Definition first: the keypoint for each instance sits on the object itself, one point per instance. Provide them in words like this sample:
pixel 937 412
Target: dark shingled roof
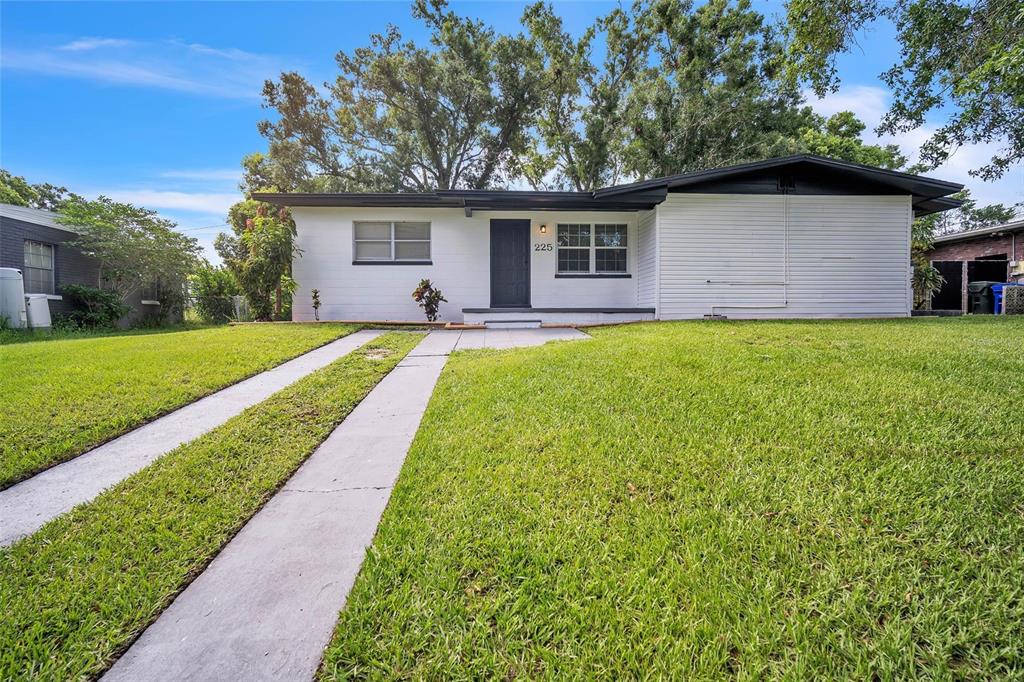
pixel 929 195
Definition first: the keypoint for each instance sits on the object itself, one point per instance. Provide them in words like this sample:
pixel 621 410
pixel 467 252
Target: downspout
pixel 785 267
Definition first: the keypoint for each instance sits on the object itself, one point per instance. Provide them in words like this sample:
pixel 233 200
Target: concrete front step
pixel 556 316
pixel 512 324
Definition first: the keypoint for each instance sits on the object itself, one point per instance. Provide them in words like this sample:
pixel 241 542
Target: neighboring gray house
pixel 802 236
pixel 31 240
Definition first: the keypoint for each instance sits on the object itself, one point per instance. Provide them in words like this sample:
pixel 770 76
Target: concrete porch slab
pixel 515 338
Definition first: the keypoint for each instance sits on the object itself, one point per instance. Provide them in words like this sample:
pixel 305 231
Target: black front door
pixel 510 263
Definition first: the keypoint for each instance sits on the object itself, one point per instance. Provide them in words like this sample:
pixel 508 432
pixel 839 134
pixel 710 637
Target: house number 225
pixel 542 247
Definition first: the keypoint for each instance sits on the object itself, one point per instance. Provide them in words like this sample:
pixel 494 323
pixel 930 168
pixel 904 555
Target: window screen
pixel 592 249
pixel 38 270
pixel 391 241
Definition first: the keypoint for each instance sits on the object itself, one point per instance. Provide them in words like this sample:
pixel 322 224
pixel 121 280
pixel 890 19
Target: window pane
pixel 380 231
pixel 412 250
pixel 574 235
pixel 574 260
pixel 610 260
pixel 38 281
pixel 38 255
pixel 609 235
pixel 412 230
pixel 373 250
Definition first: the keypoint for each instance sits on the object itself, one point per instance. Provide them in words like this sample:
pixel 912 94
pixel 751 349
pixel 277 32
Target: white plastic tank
pixel 38 308
pixel 12 298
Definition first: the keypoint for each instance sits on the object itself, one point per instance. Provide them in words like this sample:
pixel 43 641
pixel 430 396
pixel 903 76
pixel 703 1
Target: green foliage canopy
pixel 133 246
pixel 212 288
pixel 962 59
pixel 713 94
pixel 838 137
pixel 259 254
pixel 402 117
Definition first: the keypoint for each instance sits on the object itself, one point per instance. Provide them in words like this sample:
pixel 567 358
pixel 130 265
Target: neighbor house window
pixel 380 241
pixel 38 268
pixel 591 249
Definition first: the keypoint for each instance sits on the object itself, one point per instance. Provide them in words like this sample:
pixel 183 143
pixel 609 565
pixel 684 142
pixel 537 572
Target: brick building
pixel 991 253
pixel 36 243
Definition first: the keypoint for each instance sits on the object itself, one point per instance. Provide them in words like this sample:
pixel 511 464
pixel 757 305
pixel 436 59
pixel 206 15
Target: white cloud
pixel 205 174
pixel 216 203
pixel 94 44
pixel 166 65
pixel 870 103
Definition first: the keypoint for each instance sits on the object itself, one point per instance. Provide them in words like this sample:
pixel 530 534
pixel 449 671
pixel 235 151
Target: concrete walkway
pixel 266 607
pixel 515 338
pixel 25 507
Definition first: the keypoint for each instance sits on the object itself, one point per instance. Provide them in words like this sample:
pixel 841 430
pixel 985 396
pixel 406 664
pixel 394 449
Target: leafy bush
pixel 259 254
pixel 212 291
pixel 429 298
pixel 92 308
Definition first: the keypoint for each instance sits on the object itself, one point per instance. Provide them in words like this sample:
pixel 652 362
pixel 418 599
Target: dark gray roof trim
pixel 1008 228
pixel 936 205
pixel 478 200
pixel 926 192
pixel 913 184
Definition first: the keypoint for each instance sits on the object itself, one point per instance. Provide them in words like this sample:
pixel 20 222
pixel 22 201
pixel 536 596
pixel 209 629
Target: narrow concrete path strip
pixel 266 607
pixel 516 338
pixel 26 506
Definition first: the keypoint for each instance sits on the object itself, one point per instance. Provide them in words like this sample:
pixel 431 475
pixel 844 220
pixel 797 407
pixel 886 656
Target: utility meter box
pixel 12 298
pixel 38 308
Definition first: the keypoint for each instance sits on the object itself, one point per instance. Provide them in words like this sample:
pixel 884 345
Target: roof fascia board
pixel 1017 226
pixel 942 187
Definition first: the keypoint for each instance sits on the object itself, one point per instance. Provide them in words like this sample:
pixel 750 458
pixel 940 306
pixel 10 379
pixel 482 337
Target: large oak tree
pixel 405 117
pixel 713 92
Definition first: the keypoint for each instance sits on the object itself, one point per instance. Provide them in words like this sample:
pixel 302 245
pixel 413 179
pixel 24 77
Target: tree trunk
pixel 277 302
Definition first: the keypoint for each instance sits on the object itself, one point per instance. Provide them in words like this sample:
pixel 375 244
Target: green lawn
pixel 804 500
pixel 80 590
pixel 60 398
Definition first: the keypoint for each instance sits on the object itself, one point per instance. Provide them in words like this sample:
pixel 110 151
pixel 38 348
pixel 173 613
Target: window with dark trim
pixel 38 268
pixel 591 249
pixel 390 241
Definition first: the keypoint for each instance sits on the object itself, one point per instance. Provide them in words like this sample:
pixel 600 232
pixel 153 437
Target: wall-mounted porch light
pixel 543 229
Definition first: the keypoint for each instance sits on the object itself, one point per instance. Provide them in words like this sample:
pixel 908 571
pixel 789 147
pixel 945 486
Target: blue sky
pixel 156 103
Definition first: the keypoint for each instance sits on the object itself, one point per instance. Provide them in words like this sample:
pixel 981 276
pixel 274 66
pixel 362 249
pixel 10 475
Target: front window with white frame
pixel 391 241
pixel 598 249
pixel 38 268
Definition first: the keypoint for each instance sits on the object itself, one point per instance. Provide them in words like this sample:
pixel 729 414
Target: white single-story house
pixel 797 237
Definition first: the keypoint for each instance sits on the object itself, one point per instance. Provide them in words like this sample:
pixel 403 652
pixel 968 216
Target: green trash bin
pixel 980 299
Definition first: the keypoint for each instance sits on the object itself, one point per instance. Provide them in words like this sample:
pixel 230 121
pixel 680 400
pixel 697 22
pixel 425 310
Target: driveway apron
pixel 26 506
pixel 265 608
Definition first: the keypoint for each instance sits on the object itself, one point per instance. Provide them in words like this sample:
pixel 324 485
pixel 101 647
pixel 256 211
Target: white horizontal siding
pixel 646 268
pixel 726 254
pixel 460 252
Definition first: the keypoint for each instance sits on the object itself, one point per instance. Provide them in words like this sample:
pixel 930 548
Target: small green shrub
pixel 91 308
pixel 429 298
pixel 212 291
pixel 316 304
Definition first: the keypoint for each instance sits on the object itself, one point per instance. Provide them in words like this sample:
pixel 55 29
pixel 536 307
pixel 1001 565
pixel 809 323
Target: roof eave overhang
pixel 474 200
pixel 926 206
pixel 982 233
pixel 913 184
